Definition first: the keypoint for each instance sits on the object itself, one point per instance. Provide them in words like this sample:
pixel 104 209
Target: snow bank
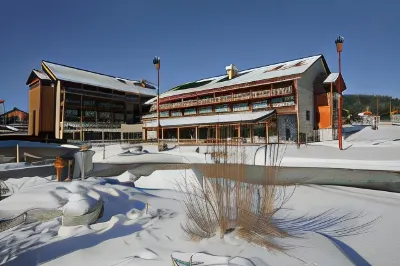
pixel 80 204
pixel 126 177
pixel 141 229
pixel 169 179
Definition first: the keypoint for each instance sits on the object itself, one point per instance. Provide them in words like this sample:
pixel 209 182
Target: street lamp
pixel 156 62
pixel 339 46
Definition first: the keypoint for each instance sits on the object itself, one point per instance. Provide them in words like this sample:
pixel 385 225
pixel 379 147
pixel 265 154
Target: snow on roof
pixel 152 100
pixel 289 68
pixel 211 119
pixel 331 78
pixel 71 74
pixel 37 74
pixel 41 74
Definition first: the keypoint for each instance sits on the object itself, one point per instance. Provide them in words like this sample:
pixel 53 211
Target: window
pixel 308 115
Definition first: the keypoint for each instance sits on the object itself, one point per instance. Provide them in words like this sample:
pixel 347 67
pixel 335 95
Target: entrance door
pixel 287 133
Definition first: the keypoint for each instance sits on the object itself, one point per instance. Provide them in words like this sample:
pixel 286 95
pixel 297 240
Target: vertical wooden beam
pixel 277 126
pixel 272 87
pixel 331 105
pixel 140 108
pixel 81 138
pixel 266 133
pixel 297 112
pixel 179 134
pixel 197 134
pixel 162 133
pixel 63 115
pixel 238 130
pixel 216 132
pixel 252 133
pixel 58 109
pixel 125 105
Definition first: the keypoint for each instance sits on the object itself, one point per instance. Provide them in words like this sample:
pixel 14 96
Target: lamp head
pixel 156 62
pixel 339 44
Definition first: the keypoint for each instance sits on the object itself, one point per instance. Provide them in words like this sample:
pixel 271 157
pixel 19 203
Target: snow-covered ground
pixel 368 150
pixel 142 225
pixel 128 235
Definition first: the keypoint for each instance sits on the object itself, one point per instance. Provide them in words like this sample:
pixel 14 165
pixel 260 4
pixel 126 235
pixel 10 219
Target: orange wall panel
pixel 34 105
pixel 47 106
pixel 324 116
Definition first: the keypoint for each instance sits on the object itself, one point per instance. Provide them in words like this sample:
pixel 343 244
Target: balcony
pixel 225 99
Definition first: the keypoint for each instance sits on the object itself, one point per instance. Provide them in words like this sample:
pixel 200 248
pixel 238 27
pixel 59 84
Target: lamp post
pixel 156 62
pixel 339 46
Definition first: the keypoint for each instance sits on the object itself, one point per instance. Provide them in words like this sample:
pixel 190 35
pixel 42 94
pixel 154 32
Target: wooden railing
pixel 220 99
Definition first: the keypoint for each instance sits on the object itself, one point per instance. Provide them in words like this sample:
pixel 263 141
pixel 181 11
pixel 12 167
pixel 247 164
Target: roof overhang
pixel 249 117
pixel 335 78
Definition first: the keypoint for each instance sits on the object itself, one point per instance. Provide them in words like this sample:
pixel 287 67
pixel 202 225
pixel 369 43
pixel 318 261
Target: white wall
pixel 306 95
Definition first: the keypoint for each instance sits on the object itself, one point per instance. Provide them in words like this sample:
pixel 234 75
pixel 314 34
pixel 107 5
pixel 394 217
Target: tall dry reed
pixel 227 202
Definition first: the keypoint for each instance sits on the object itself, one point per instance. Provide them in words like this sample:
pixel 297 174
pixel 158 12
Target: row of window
pixel 223 108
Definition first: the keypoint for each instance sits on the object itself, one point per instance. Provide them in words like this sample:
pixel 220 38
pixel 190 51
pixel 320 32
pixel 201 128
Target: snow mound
pixel 127 177
pixel 169 179
pixel 80 204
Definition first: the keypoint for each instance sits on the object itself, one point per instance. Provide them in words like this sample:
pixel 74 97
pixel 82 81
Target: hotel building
pixel 71 103
pixel 293 101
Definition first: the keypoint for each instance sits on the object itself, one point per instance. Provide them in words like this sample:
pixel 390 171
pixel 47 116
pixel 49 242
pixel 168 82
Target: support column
pixel 58 109
pixel 178 134
pixel 63 116
pixel 297 112
pixel 196 134
pixel 216 133
pixel 162 133
pixel 81 137
pixel 331 106
pixel 238 131
pixel 252 133
pixel 277 127
pixel 102 136
pixel 266 133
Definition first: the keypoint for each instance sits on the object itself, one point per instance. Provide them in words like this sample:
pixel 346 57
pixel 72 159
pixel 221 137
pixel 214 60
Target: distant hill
pixel 357 103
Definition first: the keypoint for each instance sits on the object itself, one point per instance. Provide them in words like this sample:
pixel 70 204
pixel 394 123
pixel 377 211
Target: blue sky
pixel 197 39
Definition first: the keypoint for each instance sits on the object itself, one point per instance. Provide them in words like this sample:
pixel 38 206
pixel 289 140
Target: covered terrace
pixel 245 127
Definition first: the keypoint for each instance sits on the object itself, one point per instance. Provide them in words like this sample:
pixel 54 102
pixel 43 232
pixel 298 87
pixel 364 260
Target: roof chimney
pixel 231 71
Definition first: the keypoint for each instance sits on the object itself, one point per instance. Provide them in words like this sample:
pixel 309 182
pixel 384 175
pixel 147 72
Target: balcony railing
pixel 224 99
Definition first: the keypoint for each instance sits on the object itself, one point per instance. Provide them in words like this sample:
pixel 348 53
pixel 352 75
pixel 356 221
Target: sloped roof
pixel 212 119
pixel 333 78
pixel 67 73
pixel 37 74
pixel 278 70
pixel 15 109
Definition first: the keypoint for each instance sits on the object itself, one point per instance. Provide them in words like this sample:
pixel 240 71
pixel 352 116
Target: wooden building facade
pixel 72 103
pixel 275 103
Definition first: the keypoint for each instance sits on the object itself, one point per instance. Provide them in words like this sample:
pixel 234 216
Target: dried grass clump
pixel 226 203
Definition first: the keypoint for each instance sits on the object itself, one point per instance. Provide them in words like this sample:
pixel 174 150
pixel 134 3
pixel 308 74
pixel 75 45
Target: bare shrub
pixel 226 202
